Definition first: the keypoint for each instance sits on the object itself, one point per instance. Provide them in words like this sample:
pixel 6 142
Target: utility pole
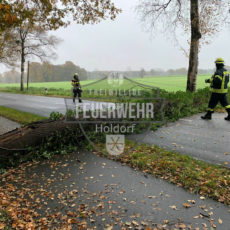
pixel 28 75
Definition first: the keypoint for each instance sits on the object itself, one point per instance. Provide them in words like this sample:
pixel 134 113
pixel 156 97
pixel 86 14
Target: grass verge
pixel 5 220
pixel 18 116
pixel 177 104
pixel 193 175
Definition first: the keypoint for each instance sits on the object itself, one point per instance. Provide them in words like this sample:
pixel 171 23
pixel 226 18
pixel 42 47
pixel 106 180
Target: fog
pixel 124 45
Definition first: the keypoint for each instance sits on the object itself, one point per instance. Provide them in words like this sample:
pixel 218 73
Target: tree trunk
pixel 194 46
pixel 22 66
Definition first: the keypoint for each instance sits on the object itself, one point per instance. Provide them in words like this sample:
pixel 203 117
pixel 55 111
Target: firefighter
pixel 76 88
pixel 219 88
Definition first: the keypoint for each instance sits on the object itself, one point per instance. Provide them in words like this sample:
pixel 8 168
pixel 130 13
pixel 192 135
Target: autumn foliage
pixel 7 16
pixel 55 14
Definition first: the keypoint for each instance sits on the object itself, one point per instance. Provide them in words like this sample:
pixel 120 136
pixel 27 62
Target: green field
pixel 169 83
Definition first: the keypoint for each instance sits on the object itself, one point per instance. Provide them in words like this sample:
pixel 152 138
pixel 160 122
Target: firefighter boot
pixel 207 116
pixel 228 117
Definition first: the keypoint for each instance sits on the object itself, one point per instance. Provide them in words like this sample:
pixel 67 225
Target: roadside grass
pixel 178 104
pixel 193 175
pixel 18 116
pixel 5 220
pixel 54 92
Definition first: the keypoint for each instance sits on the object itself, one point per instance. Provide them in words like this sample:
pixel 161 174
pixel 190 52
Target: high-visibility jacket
pixel 76 83
pixel 219 81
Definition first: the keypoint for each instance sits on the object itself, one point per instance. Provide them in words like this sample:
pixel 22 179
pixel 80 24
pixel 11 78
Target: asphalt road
pixel 205 140
pixel 41 105
pixel 105 193
pixel 7 125
pixel 108 193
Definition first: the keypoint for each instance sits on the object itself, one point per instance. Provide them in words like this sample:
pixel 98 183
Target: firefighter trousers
pixel 216 98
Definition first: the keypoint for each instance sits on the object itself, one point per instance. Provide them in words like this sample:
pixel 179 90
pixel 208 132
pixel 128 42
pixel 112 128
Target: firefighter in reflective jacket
pixel 219 87
pixel 76 88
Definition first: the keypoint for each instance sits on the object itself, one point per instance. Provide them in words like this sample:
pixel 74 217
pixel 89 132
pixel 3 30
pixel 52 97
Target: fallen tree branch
pixel 32 135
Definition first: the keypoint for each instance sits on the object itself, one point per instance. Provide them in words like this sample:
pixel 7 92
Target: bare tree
pixel 30 20
pixel 199 18
pixel 28 41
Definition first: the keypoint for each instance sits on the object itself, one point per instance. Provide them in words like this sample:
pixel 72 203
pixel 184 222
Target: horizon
pixel 123 44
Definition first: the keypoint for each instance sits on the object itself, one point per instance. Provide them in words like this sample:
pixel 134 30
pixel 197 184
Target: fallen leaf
pixel 220 221
pixel 144 223
pixel 135 223
pixel 182 226
pixel 72 221
pixel 148 228
pixel 2 226
pixel 192 201
pixel 151 197
pixel 173 207
pixel 187 205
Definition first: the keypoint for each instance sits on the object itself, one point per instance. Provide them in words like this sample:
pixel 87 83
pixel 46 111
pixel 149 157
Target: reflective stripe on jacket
pixel 76 84
pixel 219 81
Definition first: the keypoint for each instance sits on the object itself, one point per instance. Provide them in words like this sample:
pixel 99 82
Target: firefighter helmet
pixel 219 61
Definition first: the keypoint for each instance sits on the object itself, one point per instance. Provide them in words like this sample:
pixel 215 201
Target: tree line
pixel 24 25
pixel 148 73
pixel 46 72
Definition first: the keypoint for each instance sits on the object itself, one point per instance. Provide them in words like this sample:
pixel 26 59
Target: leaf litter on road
pixel 28 199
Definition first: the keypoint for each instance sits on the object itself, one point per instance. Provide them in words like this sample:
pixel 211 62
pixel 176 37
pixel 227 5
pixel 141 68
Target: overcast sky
pixel 123 44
